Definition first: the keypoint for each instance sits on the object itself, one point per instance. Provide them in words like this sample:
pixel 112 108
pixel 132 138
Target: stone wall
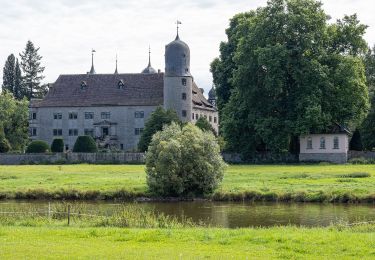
pixel 323 157
pixel 121 158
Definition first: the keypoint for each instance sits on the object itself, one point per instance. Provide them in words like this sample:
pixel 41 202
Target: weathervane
pixel 178 23
pixel 92 71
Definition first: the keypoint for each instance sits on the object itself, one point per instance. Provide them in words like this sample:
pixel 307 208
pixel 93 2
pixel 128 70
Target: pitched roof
pixel 138 89
pixel 104 90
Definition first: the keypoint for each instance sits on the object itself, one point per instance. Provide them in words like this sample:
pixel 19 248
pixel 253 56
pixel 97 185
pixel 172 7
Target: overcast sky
pixel 66 30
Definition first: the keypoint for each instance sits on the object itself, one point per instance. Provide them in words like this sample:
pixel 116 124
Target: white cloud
pixel 66 30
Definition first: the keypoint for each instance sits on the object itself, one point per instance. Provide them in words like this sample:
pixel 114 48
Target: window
pixel 138 131
pixel 89 115
pixel 336 142
pixel 57 132
pixel 73 132
pixel 205 116
pixel 210 119
pixel 122 146
pixel 32 131
pixel 106 115
pixel 121 84
pixel 32 115
pixel 215 120
pixel 196 116
pixel 183 96
pixel 192 116
pixel 57 116
pixel 184 113
pixel 183 81
pixel 139 114
pixel 89 132
pixel 73 115
pixel 83 85
pixel 66 147
pixel 322 143
pixel 309 143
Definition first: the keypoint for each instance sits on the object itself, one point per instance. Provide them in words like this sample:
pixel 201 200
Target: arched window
pixel 121 84
pixel 309 143
pixel 322 143
pixel 336 143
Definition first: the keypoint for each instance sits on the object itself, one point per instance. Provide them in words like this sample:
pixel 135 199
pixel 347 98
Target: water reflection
pixel 234 215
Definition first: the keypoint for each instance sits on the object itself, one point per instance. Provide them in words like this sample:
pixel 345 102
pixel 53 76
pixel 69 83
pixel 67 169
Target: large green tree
pixel 14 120
pixel 292 73
pixel 33 71
pixel 9 74
pixel 155 123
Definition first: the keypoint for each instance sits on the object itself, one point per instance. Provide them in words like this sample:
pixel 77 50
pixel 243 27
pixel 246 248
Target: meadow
pixel 49 242
pixel 301 183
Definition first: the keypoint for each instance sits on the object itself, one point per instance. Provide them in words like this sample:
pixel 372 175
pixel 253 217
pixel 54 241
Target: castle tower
pixel 178 82
pixel 212 96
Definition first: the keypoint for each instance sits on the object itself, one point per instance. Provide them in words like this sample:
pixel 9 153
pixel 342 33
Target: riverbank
pixel 291 183
pixel 51 242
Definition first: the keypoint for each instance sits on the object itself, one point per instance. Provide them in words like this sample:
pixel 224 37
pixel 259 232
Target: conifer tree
pixel 19 91
pixel 32 69
pixel 8 74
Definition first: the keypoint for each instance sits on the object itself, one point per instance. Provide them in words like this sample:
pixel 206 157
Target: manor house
pixel 113 108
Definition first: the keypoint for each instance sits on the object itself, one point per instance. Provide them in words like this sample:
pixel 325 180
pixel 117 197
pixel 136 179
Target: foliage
pixel 8 74
pixel 356 143
pixel 32 69
pixel 290 73
pixel 37 146
pixel 4 144
pixel 14 120
pixel 155 123
pixel 204 125
pixel 57 145
pixel 183 162
pixel 85 144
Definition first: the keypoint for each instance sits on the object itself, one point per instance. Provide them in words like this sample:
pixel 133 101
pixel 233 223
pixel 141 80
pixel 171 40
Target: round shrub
pixel 37 146
pixel 85 144
pixel 57 145
pixel 184 162
pixel 4 145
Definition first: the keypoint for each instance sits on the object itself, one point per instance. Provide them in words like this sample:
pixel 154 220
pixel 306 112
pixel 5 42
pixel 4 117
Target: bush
pixel 37 146
pixel 85 144
pixel 204 125
pixel 57 145
pixel 183 162
pixel 4 145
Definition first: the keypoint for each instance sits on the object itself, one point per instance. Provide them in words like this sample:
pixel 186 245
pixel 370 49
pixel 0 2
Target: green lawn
pixel 195 243
pixel 251 182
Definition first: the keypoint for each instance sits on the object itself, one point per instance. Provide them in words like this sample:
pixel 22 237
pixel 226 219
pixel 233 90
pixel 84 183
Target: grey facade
pixel 113 108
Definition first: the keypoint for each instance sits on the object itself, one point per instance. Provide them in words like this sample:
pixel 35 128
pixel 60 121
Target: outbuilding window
pixel 336 144
pixel 322 143
pixel 57 116
pixel 73 115
pixel 309 143
pixel 105 115
pixel 89 115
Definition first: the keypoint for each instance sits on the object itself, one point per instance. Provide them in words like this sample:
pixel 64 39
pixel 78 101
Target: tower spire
pixel 177 23
pixel 92 71
pixel 149 56
pixel 116 72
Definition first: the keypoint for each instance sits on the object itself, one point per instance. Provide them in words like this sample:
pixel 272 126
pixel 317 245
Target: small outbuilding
pixel 332 146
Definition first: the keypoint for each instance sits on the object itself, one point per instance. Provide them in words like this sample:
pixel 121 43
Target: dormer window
pixel 83 85
pixel 121 84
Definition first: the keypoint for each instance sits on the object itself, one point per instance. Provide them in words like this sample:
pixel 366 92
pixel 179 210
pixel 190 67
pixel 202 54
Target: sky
pixel 67 30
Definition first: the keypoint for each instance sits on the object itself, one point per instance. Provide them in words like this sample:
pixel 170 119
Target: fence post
pixel 68 215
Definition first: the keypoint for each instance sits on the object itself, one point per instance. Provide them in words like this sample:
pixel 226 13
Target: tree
pixel 204 125
pixel 37 146
pixel 32 69
pixel 57 145
pixel 85 144
pixel 4 144
pixel 9 74
pixel 183 162
pixel 293 74
pixel 14 120
pixel 155 123
pixel 19 90
pixel 356 142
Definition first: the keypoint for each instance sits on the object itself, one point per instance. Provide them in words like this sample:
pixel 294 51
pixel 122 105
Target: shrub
pixel 57 145
pixel 4 145
pixel 204 125
pixel 37 146
pixel 155 123
pixel 355 175
pixel 183 162
pixel 85 144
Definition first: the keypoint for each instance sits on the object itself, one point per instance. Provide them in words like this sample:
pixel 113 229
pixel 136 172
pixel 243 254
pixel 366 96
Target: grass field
pixel 316 183
pixel 196 243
